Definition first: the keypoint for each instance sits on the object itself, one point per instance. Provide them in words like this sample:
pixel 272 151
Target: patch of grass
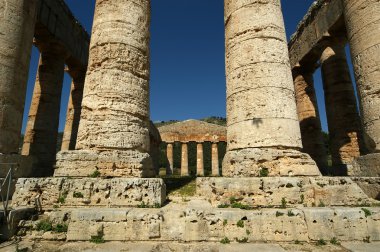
pixel 367 239
pixel 244 240
pixel 289 185
pixel 44 225
pixel 321 185
pixel 78 195
pixel 264 172
pixel 225 240
pixel 321 242
pixel 241 206
pixel 334 241
pixel 95 174
pixel 279 214
pixel 366 212
pixel 224 222
pixel 297 242
pixel 180 186
pixel 283 203
pixel 240 224
pixel 247 232
pixel 223 206
pixel 302 197
pixel 60 228
pixel 233 200
pixel 290 213
pixel 97 239
pixel 321 204
pixel 62 198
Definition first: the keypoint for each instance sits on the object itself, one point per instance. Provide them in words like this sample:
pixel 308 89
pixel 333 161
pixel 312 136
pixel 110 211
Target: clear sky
pixel 187 57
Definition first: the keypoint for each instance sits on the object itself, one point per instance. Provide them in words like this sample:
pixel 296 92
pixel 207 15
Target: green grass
pixel 366 212
pixel 279 214
pixel 240 224
pixel 44 225
pixel 321 242
pixel 283 203
pixel 78 195
pixel 290 213
pixel 264 172
pixel 182 186
pixel 60 228
pixel 225 240
pixel 334 241
pixel 97 239
pixel 95 174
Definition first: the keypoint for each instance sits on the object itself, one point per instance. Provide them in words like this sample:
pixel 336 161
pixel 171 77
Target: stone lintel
pixel 270 191
pixel 90 192
pixel 113 163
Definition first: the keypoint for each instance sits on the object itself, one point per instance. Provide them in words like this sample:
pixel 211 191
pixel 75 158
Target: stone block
pixel 370 185
pixel 365 166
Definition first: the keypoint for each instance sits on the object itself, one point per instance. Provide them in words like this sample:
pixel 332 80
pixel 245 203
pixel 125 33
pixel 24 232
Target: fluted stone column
pixel 341 108
pixel 169 155
pixel 262 125
pixel 184 160
pixel 41 131
pixel 215 159
pixel 73 109
pixel 363 28
pixel 17 21
pixel 308 115
pixel 200 162
pixel 113 135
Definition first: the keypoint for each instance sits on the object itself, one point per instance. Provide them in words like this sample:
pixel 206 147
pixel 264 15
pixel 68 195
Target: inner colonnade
pixel 264 122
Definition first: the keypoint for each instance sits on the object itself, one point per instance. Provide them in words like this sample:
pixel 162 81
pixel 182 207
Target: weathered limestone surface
pixel 200 162
pixel 215 159
pixel 184 160
pixel 308 115
pixel 16 37
pixel 261 107
pixel 115 107
pixel 73 109
pixel 341 108
pixel 264 192
pixel 202 223
pixel 42 128
pixel 363 23
pixel 370 185
pixel 365 166
pixel 89 192
pixel 169 155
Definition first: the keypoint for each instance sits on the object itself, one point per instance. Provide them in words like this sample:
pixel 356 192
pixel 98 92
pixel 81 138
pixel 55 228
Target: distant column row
pixel 200 167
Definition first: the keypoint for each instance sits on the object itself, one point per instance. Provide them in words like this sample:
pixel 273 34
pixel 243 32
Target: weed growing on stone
pixel 62 198
pixel 224 222
pixel 223 206
pixel 334 241
pixel 240 224
pixel 302 197
pixel 289 185
pixel 225 240
pixel 290 213
pixel 279 214
pixel 44 225
pixel 297 242
pixel 60 228
pixel 97 239
pixel 244 240
pixel 78 195
pixel 367 239
pixel 247 232
pixel 321 242
pixel 264 172
pixel 283 203
pixel 95 174
pixel 241 206
pixel 321 204
pixel 321 185
pixel 366 212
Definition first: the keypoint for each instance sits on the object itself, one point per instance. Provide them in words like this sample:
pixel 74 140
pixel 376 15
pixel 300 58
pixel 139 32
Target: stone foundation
pixel 252 161
pixel 365 166
pixel 90 192
pixel 280 191
pixel 115 163
pixel 196 224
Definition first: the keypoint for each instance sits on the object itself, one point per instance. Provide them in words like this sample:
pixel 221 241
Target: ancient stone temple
pixel 279 182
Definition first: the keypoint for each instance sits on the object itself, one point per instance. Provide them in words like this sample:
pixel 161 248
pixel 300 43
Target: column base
pixel 115 163
pixel 24 167
pixel 90 192
pixel 365 166
pixel 261 162
pixel 282 192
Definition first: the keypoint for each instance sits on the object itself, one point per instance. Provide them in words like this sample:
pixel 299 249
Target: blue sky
pixel 187 57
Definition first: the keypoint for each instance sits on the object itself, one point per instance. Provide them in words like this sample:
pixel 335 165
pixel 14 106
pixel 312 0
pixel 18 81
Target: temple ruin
pixel 105 180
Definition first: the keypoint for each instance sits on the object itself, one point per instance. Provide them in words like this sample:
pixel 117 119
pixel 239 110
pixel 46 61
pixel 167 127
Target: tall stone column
pixel 73 109
pixel 16 38
pixel 215 159
pixel 169 155
pixel 308 115
pixel 113 135
pixel 341 108
pixel 363 28
pixel 41 131
pixel 184 160
pixel 263 130
pixel 200 162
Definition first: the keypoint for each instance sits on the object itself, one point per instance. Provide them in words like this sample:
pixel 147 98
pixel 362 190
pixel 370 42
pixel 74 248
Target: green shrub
pixel 283 203
pixel 264 172
pixel 240 223
pixel 97 239
pixel 44 225
pixel 223 206
pixel 60 228
pixel 78 195
pixel 247 232
pixel 279 214
pixel 224 222
pixel 366 212
pixel 334 241
pixel 321 242
pixel 95 174
pixel 290 213
pixel 225 240
pixel 241 206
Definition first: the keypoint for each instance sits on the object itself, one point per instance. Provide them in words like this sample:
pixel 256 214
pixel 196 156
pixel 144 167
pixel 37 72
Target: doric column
pixel 16 37
pixel 363 28
pixel 73 109
pixel 41 130
pixel 184 160
pixel 215 159
pixel 169 155
pixel 263 130
pixel 200 162
pixel 113 135
pixel 308 115
pixel 341 108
